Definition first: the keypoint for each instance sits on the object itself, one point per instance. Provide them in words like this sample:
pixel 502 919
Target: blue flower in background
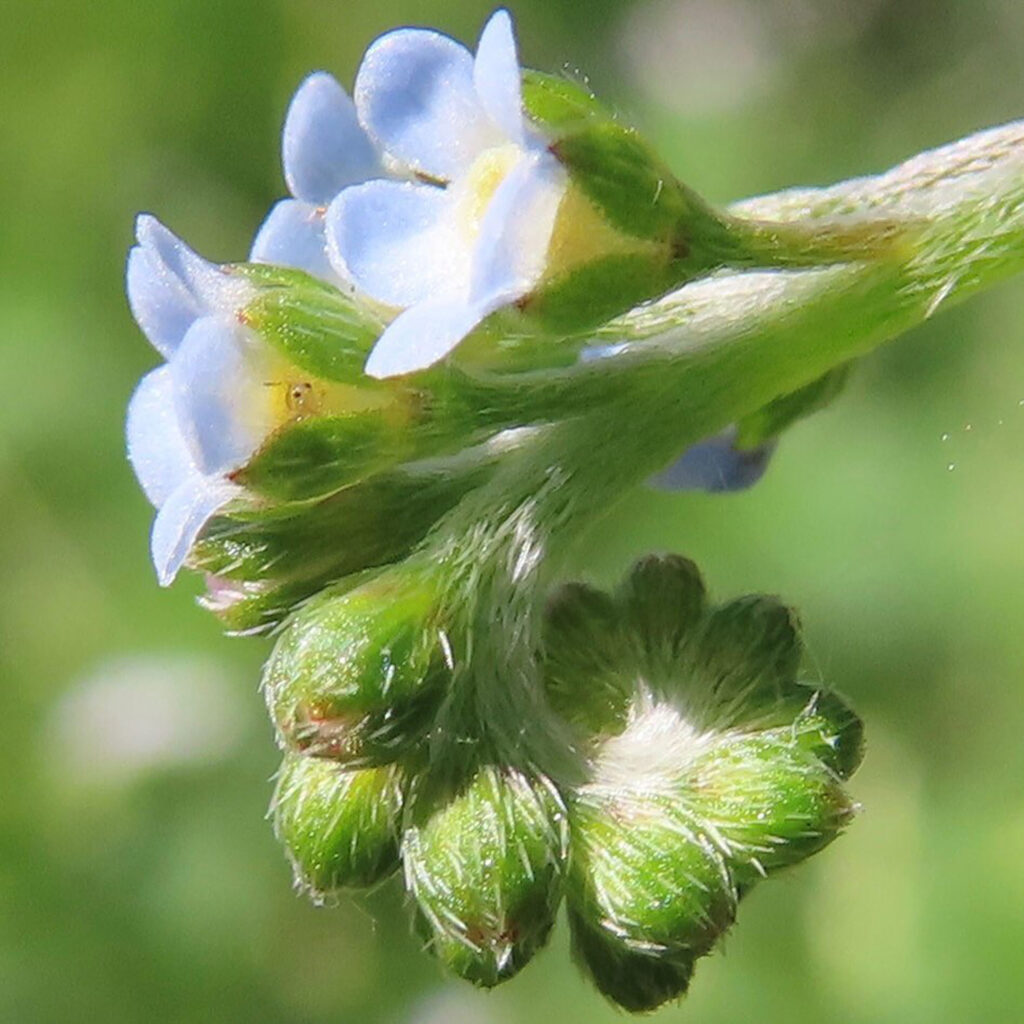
pixel 207 409
pixel 471 233
pixel 716 465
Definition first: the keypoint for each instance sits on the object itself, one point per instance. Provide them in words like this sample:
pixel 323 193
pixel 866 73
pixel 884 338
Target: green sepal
pixel 633 979
pixel 484 865
pixel 556 104
pixel 768 803
pixel 628 182
pixel 617 169
pixel 340 827
pixel 746 663
pixel 312 457
pixel 645 874
pixel 590 294
pixel 829 728
pixel 771 420
pixel 360 670
pixel 316 327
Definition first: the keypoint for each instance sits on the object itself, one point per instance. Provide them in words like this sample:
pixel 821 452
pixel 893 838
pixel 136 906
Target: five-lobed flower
pixel 470 233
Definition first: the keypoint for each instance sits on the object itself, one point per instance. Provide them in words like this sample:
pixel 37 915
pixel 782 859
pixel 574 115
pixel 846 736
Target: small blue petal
pixel 182 518
pixel 423 335
pixel 293 235
pixel 156 446
pixel 169 286
pixel 496 76
pixel 220 393
pixel 511 249
pixel 716 465
pixel 324 146
pixel 396 241
pixel 415 96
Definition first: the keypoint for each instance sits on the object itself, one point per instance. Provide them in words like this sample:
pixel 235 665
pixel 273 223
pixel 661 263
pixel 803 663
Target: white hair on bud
pixel 658 743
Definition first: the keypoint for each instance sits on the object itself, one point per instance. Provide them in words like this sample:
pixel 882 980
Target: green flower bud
pixel 485 869
pixel 645 873
pixel 708 766
pixel 340 827
pixel 358 673
pixel 582 636
pixel 768 803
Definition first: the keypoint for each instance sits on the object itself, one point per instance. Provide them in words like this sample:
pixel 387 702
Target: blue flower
pixel 716 465
pixel 471 233
pixel 202 414
pixel 324 149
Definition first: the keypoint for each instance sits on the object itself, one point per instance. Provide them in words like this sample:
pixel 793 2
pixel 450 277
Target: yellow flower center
pixel 474 191
pixel 289 394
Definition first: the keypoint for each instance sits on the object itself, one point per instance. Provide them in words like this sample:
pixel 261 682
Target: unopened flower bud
pixel 768 803
pixel 357 675
pixel 582 636
pixel 485 868
pixel 340 827
pixel 648 892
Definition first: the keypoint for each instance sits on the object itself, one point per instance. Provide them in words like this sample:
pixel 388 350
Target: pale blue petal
pixel 182 518
pixel 496 76
pixel 415 96
pixel 324 146
pixel 396 241
pixel 156 446
pixel 195 273
pixel 423 335
pixel 169 286
pixel 293 236
pixel 511 249
pixel 716 465
pixel 221 393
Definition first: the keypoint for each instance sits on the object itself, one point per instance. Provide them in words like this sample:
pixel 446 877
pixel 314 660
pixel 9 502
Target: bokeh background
pixel 138 878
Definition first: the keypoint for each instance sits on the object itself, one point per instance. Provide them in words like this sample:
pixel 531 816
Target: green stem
pixel 703 357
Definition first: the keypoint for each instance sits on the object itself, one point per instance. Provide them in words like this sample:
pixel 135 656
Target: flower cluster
pixel 430 194
pixel 451 192
pixel 372 433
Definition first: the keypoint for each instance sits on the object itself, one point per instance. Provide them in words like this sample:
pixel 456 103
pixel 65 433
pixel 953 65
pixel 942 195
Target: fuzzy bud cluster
pixel 702 766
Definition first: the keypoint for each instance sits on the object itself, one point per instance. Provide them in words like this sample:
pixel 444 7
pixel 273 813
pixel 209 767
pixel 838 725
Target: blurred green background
pixel 138 879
